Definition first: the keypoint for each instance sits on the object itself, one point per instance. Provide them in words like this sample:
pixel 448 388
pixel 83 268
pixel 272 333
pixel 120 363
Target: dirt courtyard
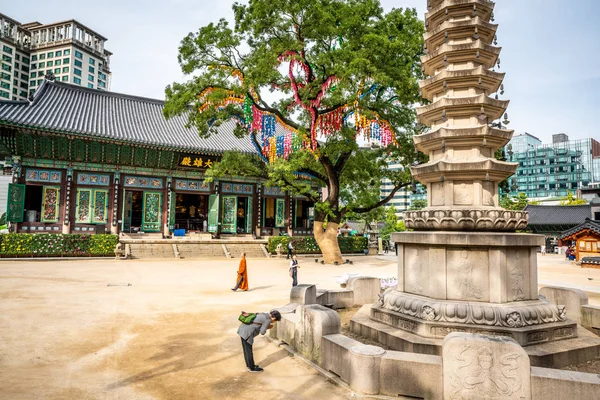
pixel 65 334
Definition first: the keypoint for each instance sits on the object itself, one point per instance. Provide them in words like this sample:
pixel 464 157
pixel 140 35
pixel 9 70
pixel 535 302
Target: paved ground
pixel 64 334
pixel 554 270
pixel 171 335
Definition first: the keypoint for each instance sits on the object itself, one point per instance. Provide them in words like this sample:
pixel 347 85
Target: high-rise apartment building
pixel 69 50
pixel 550 170
pixel 15 42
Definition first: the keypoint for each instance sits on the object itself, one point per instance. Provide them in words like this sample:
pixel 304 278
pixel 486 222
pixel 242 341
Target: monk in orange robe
pixel 242 276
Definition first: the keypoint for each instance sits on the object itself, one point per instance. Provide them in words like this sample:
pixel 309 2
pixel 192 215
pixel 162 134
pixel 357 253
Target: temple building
pixel 89 161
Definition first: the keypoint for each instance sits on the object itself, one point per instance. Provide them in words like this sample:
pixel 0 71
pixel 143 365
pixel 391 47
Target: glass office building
pixel 550 170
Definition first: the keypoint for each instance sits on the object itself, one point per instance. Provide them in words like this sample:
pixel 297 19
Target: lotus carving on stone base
pixel 492 220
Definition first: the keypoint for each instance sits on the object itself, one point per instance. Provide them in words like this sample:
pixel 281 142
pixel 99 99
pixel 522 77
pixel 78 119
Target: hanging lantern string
pixel 281 143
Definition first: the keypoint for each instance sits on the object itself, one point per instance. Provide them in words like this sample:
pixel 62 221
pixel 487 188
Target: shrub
pixel 275 240
pixel 51 244
pixel 353 244
pixel 308 244
pixel 101 245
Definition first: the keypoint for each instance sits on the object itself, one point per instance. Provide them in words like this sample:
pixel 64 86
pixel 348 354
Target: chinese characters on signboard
pixel 196 161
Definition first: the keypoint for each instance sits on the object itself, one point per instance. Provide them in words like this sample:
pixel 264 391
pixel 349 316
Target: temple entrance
pixel 142 211
pixel 191 212
pixel 304 214
pixel 237 214
pixel 33 203
pixel 274 212
pixel 132 211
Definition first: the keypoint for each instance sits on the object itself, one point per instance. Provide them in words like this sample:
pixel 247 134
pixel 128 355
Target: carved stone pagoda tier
pixel 464 269
pixel 462 174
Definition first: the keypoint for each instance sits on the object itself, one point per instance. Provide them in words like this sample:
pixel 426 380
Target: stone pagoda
pixel 464 269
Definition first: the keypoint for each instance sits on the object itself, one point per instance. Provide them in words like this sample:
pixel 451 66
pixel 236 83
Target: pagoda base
pixel 558 354
pixel 498 321
pixel 482 283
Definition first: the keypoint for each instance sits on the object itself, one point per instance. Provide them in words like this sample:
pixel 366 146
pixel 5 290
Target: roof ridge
pixel 106 93
pixel 61 107
pixel 558 205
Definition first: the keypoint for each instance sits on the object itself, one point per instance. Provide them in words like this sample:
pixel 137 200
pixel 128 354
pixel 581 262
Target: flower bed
pixel 308 244
pixel 56 245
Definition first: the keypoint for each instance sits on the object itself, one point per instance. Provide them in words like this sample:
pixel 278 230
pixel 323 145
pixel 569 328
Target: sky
pixel 550 51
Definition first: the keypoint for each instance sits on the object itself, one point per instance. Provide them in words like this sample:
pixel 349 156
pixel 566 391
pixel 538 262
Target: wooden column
pixel 259 209
pixel 114 226
pixel 66 228
pixel 16 175
pixel 167 204
pixel 220 213
pixel 290 216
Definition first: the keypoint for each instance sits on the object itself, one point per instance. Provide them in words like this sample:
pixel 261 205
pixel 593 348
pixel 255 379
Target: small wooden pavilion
pixel 586 237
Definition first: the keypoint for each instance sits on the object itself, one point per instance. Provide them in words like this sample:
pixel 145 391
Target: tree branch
pixel 383 201
pixel 330 109
pixel 308 195
pixel 333 180
pixel 341 161
pixel 313 173
pixel 263 106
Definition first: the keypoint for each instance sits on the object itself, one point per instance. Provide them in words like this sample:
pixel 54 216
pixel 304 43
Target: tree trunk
pixel 327 241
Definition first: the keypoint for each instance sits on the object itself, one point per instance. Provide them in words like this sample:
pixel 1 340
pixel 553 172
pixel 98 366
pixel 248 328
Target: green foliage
pixel 353 244
pixel 417 205
pixel 275 240
pixel 375 58
pixel 517 202
pixel 390 216
pixel 101 245
pixel 308 244
pixel 50 244
pixel 3 219
pixel 571 200
pixel 391 224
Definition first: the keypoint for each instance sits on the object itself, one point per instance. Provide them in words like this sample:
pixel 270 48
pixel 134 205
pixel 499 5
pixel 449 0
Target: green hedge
pixel 308 244
pixel 51 244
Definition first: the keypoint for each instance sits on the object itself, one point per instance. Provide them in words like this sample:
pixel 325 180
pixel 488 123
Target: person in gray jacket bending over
pixel 247 332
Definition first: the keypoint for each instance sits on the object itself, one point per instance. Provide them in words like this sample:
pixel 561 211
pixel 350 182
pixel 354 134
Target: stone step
pixel 212 250
pixel 195 250
pixel 251 250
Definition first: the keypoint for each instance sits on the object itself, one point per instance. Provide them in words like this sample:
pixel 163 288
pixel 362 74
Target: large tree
pixel 310 80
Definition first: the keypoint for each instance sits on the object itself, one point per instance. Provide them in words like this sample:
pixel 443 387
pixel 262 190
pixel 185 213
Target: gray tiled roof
pixel 591 225
pixel 558 215
pixel 87 112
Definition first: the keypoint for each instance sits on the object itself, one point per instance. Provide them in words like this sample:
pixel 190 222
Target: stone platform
pixel 556 354
pixel 527 322
pixel 484 283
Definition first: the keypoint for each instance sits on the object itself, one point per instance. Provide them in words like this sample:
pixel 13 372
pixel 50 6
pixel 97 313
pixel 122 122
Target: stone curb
pixel 332 377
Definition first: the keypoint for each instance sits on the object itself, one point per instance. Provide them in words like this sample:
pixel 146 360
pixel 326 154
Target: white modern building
pixel 401 200
pixel 69 50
